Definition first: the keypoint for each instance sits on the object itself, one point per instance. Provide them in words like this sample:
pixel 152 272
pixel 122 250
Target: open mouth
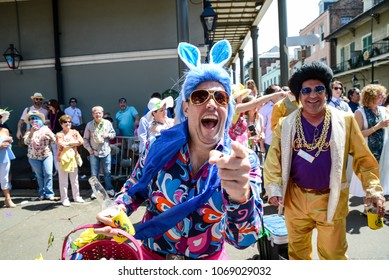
pixel 209 121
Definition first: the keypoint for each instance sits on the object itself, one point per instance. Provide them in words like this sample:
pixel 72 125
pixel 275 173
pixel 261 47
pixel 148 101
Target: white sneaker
pixel 66 202
pixel 79 200
pixel 111 193
pixel 92 196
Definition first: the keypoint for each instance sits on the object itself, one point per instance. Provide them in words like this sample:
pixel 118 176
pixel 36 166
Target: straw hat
pixel 4 115
pixel 156 104
pixel 34 113
pixel 37 95
pixel 239 90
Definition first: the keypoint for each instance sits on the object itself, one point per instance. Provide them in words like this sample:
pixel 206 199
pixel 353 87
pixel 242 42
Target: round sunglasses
pixel 200 96
pixel 316 89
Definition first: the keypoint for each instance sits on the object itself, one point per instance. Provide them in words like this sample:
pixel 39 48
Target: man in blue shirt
pixel 127 118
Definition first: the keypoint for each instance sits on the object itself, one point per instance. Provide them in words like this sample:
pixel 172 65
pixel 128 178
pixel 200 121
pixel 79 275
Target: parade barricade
pixel 124 155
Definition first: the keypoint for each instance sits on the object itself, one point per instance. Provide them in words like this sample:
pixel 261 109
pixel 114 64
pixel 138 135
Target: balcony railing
pixel 380 47
pixel 354 62
pixel 362 58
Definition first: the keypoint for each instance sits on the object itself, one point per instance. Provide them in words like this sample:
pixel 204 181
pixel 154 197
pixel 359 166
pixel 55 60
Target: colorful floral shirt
pixel 202 233
pixel 39 144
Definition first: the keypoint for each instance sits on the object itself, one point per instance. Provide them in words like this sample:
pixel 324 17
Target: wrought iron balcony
pixel 378 51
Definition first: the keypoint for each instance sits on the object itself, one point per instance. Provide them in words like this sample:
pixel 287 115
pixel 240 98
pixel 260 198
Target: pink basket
pixel 106 248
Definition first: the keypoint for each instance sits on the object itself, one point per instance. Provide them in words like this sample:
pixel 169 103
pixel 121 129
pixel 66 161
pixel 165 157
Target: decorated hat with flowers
pixel 4 115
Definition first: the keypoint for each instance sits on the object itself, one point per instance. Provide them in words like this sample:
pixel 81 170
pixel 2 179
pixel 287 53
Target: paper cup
pixel 122 221
pixel 374 221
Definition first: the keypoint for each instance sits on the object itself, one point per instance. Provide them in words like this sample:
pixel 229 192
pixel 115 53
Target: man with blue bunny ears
pixel 202 189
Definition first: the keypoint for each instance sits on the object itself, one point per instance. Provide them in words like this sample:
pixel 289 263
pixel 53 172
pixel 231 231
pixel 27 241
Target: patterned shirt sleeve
pixel 242 222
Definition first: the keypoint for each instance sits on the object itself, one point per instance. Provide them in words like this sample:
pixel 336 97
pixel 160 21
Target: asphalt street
pixel 25 230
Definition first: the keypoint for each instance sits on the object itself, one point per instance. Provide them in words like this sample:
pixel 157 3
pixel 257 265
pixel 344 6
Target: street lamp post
pixel 12 57
pixel 208 20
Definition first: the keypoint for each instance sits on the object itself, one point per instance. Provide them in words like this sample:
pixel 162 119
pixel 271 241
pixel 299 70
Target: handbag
pixel 79 160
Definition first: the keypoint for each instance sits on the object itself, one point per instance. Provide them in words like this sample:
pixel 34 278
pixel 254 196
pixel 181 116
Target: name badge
pixel 306 156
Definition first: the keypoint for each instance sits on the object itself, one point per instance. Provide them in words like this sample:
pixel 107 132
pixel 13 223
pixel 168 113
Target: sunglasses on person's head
pixel 337 88
pixel 317 89
pixel 122 101
pixel 33 118
pixel 200 96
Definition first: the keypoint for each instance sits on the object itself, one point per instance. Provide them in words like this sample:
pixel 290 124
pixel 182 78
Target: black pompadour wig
pixel 311 71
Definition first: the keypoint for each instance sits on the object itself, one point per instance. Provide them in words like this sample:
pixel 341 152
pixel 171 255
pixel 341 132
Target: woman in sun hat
pixel 6 155
pixel 38 139
pixel 157 117
pixel 238 129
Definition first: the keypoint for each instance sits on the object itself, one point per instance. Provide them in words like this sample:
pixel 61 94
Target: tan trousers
pixel 63 178
pixel 306 210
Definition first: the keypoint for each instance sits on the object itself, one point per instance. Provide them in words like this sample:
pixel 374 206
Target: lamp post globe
pixel 12 57
pixel 208 20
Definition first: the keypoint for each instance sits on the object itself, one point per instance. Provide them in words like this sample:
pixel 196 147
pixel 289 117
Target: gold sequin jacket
pixel 346 139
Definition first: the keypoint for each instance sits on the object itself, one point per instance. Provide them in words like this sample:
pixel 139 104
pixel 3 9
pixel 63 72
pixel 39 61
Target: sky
pixel 299 14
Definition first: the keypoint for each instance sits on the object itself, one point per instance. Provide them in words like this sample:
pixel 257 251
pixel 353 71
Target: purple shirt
pixel 315 175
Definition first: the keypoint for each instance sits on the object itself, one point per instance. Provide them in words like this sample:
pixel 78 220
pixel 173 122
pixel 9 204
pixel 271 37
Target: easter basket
pixel 106 248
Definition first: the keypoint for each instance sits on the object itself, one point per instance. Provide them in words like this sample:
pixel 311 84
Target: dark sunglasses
pixel 33 118
pixel 38 99
pixel 122 101
pixel 200 96
pixel 317 89
pixel 337 88
pixel 66 122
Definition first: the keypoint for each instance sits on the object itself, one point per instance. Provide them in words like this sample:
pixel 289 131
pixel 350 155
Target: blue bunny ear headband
pixel 219 54
pixel 198 73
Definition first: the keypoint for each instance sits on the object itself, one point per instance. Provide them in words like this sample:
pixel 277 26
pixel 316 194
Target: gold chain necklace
pixel 319 144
